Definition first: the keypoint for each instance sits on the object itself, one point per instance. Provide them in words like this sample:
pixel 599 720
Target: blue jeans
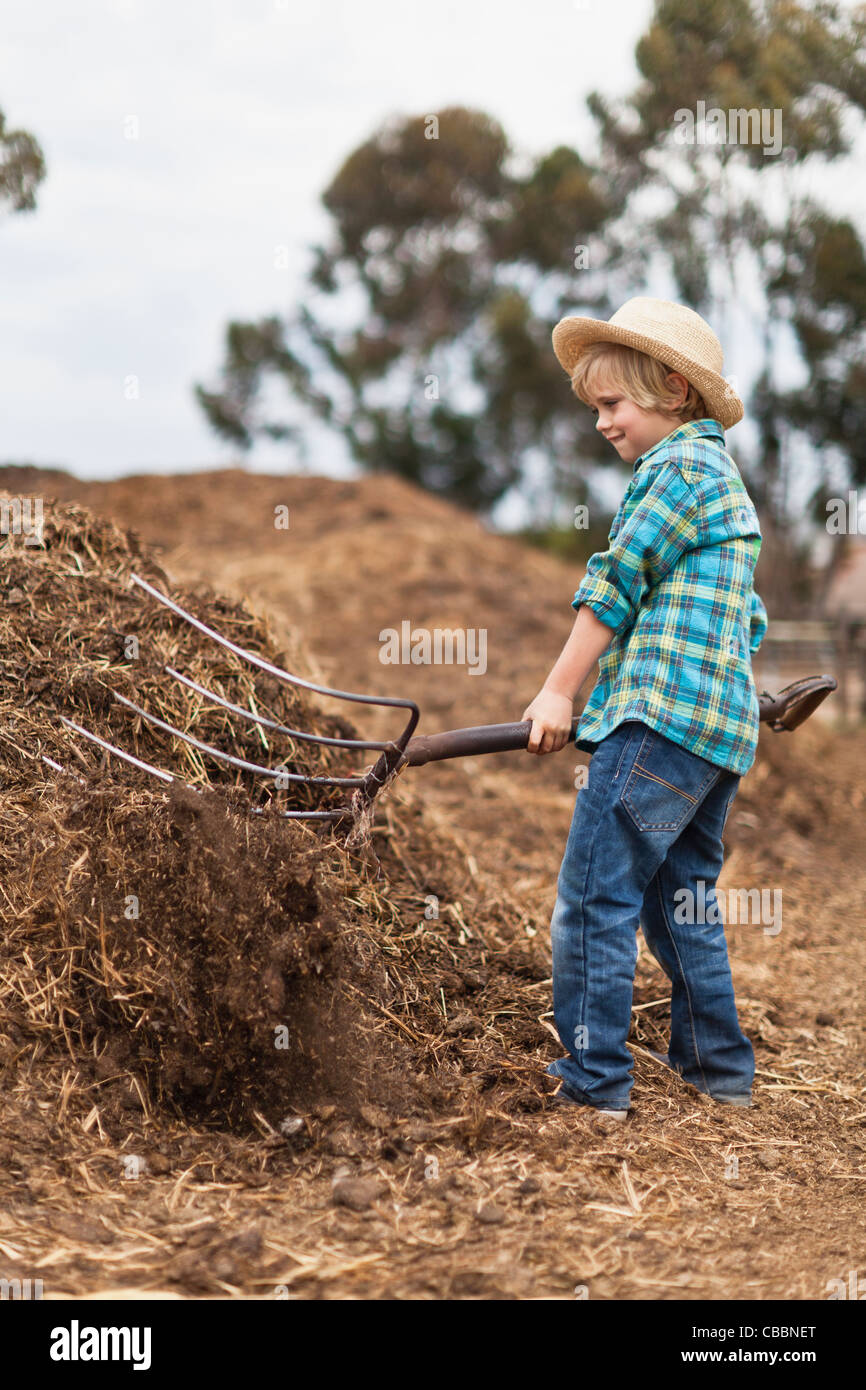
pixel 647 825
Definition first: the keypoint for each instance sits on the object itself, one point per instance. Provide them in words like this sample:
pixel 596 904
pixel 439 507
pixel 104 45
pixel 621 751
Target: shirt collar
pixel 691 429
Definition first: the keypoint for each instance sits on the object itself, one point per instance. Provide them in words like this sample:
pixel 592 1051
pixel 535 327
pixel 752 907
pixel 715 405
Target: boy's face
pixel 628 427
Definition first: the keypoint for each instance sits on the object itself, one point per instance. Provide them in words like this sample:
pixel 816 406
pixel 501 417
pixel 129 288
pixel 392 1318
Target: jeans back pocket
pixel 666 784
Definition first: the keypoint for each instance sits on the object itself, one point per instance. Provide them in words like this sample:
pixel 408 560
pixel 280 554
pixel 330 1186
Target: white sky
pixel 141 250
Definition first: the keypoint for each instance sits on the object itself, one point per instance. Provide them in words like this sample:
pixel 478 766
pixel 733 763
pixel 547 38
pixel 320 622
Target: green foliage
pixel 728 213
pixel 22 168
pixel 736 54
pixel 445 374
pixel 424 338
pixel 567 542
pixel 822 288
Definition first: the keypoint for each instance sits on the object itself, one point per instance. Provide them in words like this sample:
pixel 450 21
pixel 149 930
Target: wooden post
pixel 843 643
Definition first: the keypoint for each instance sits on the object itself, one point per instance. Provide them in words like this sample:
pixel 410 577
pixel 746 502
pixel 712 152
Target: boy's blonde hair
pixel 640 378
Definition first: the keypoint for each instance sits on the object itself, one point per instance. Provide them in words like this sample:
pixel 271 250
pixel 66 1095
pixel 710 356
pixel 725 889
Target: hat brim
pixel 572 336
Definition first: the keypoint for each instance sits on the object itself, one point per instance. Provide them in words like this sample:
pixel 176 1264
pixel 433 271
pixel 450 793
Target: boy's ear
pixel 679 388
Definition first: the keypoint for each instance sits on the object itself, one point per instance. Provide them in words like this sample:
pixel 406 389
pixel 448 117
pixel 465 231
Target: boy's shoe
pixel 743 1099
pixel 660 1057
pixel 614 1116
pixel 561 1097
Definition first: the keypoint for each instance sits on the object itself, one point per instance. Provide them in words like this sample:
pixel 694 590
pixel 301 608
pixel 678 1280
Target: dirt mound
pixel 357 556
pixel 176 946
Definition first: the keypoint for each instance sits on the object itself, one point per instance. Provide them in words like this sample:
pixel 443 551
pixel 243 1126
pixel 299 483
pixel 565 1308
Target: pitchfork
pixel 786 710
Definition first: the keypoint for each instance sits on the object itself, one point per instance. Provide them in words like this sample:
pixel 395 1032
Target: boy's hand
pixel 551 716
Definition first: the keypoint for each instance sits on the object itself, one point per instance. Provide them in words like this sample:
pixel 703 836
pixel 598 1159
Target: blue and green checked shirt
pixel 676 586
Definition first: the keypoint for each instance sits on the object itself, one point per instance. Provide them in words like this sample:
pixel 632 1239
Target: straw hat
pixel 671 333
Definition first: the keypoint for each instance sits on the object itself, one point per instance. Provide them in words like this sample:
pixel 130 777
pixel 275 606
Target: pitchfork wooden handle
pixel 783 711
pixel 462 743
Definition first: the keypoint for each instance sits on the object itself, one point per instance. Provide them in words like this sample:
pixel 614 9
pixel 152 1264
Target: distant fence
pixel 811 646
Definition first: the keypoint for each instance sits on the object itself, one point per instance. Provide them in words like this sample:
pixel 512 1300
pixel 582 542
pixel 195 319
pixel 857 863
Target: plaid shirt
pixel 676 587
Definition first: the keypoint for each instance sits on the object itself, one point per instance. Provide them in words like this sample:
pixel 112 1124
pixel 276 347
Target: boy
pixel 670 613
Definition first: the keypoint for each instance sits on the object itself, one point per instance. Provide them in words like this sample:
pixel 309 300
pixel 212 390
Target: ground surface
pixel 480 1189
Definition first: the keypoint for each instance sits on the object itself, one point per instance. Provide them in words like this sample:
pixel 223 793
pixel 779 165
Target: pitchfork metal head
pixel 784 711
pixel 366 786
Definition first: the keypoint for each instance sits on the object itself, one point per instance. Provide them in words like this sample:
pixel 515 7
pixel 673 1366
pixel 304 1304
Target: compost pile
pixel 172 946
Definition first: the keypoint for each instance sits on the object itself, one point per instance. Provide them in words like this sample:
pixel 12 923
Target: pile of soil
pixel 185 946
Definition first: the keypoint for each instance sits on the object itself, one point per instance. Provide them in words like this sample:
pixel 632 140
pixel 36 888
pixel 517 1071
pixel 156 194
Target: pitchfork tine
pixel 268 723
pixel 395 746
pixel 111 748
pixel 230 758
pixel 167 776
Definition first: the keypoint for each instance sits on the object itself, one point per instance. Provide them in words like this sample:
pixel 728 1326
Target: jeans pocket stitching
pixel 653 777
pixel 690 803
pixel 642 824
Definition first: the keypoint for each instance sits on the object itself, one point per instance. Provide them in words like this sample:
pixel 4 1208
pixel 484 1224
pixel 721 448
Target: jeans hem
pixel 589 1105
pixel 713 1095
pixel 579 1098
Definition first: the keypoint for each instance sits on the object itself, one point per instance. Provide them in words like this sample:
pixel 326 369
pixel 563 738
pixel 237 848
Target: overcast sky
pixel 142 249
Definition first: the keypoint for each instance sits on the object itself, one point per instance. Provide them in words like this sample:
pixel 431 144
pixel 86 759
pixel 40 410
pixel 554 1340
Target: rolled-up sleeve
pixel 757 622
pixel 659 525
